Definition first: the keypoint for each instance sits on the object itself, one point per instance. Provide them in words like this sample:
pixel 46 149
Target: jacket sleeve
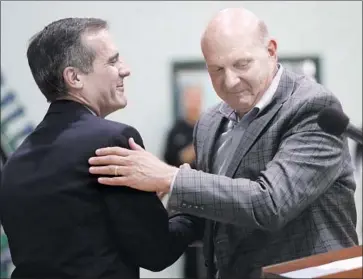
pixel 140 224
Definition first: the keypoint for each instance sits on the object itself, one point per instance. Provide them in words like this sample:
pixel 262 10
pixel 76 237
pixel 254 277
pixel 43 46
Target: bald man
pixel 272 185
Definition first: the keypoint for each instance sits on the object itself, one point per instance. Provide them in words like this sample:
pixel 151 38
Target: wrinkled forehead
pixel 219 48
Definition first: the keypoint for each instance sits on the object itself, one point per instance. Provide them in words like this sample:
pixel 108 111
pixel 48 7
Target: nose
pixel 124 71
pixel 231 79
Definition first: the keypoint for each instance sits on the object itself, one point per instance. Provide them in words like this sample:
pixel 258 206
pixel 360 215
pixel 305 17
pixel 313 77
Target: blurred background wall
pixel 151 35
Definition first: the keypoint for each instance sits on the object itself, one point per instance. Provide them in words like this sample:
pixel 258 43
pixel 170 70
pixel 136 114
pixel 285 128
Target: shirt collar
pixel 90 110
pixel 230 114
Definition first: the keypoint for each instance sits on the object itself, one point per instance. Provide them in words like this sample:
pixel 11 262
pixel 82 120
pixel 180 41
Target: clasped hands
pixel 135 168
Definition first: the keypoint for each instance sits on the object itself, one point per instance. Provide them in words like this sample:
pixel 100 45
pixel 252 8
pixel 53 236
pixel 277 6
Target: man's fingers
pixel 113 181
pixel 134 145
pixel 109 170
pixel 107 160
pixel 115 150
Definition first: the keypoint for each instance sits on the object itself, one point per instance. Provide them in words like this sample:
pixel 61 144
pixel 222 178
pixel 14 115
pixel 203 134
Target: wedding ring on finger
pixel 116 171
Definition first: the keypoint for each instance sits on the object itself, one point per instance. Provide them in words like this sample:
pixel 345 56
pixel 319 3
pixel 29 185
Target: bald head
pixel 240 57
pixel 233 22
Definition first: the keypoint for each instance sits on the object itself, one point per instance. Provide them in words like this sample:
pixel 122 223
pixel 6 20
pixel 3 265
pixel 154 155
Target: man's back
pixel 59 221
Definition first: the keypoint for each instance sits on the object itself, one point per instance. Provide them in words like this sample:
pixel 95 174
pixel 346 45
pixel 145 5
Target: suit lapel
pixel 249 137
pixel 212 134
pixel 255 128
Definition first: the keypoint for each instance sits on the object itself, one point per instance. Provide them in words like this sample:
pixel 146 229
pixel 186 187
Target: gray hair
pixel 57 46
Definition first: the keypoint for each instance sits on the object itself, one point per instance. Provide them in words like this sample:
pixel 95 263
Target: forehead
pixel 231 47
pixel 101 42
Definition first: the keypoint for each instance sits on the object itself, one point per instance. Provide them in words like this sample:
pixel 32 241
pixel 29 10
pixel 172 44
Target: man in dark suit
pixel 60 222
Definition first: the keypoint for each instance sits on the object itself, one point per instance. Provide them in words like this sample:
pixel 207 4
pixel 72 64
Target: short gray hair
pixel 57 46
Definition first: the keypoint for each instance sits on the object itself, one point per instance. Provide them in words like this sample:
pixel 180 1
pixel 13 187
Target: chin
pixel 241 105
pixel 121 101
pixel 122 104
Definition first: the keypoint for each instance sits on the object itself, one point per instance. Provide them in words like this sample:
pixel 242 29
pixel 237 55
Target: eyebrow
pixel 113 57
pixel 243 60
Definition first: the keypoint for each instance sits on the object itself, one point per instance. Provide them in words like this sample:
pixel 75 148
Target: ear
pixel 72 78
pixel 272 48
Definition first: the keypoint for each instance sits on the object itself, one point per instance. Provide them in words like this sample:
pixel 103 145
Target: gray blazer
pixel 289 188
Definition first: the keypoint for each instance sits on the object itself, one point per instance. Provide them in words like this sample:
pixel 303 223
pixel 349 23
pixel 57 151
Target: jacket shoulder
pixel 118 131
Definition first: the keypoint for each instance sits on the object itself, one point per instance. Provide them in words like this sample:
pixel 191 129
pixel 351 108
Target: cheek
pixel 217 83
pixel 111 75
pixel 256 78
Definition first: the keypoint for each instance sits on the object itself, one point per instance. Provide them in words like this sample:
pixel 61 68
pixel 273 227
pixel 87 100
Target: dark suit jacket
pixel 62 224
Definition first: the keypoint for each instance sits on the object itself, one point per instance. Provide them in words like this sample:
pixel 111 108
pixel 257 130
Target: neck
pixel 275 70
pixel 269 80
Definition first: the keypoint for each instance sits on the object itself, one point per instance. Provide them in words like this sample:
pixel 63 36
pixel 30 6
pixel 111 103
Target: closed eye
pixel 241 64
pixel 215 69
pixel 113 59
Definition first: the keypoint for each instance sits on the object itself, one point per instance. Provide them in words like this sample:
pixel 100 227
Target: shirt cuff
pixel 173 181
pixel 166 201
pixel 167 197
pixel 185 165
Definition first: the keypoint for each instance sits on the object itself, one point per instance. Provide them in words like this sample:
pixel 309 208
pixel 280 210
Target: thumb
pixel 134 145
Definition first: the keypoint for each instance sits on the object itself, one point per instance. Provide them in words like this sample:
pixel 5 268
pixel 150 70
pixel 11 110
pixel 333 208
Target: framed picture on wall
pixel 306 65
pixel 194 73
pixel 191 74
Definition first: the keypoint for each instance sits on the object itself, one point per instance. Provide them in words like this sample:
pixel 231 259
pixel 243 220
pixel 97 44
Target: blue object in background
pixel 14 128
